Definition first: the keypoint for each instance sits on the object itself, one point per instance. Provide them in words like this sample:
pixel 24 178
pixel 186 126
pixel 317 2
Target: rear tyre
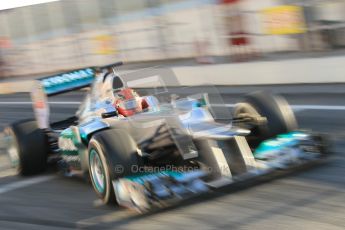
pixel 112 154
pixel 27 147
pixel 279 115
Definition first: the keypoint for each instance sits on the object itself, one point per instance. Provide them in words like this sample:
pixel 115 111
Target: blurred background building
pixel 70 34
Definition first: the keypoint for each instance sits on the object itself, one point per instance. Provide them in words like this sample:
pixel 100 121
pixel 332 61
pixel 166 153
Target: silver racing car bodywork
pixel 145 145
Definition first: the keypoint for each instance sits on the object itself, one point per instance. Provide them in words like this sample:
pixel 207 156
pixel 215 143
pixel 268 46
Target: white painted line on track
pixel 298 107
pixel 319 107
pixel 49 102
pixel 64 102
pixel 24 183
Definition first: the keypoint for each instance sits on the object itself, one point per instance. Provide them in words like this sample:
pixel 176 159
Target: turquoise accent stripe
pixel 280 142
pixel 69 80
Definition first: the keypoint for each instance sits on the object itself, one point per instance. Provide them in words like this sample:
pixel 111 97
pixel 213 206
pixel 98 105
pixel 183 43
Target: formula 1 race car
pixel 149 151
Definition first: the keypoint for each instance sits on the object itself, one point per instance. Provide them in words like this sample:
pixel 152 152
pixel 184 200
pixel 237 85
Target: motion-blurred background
pixel 66 34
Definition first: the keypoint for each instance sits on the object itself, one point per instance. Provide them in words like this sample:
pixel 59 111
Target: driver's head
pixel 127 102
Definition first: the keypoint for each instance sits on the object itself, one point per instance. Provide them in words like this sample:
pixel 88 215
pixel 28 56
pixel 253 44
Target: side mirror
pixel 109 114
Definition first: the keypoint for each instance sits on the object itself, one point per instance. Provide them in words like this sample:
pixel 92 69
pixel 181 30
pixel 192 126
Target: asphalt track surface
pixel 310 199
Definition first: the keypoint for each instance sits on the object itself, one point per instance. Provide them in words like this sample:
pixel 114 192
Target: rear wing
pixel 69 81
pixel 72 80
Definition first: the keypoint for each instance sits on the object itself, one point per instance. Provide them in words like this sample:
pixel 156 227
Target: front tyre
pixel 112 153
pixel 279 115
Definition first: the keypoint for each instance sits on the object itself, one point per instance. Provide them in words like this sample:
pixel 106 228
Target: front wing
pixel 283 154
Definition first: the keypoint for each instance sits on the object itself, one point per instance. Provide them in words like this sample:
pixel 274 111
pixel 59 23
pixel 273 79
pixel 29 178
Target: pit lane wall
pixel 309 70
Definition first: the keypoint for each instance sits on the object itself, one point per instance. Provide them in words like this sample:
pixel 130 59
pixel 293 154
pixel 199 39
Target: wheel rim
pixel 246 108
pixel 97 171
pixel 12 150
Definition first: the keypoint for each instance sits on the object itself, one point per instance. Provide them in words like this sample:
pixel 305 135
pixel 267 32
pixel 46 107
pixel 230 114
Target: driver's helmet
pixel 128 102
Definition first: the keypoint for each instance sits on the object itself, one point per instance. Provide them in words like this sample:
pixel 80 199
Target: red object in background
pixel 237 35
pixel 229 1
pixel 239 40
